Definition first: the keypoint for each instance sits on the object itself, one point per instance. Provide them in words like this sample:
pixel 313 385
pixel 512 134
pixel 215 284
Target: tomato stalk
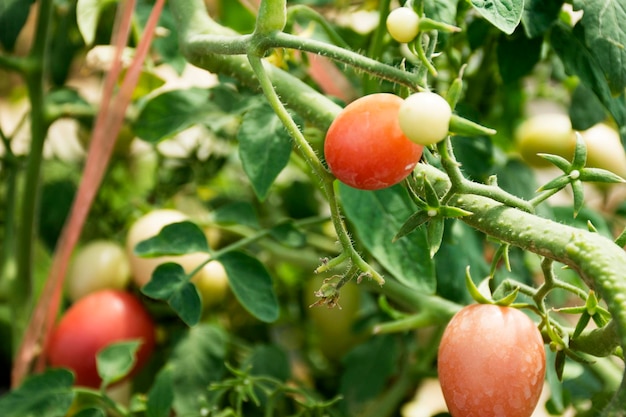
pixel 315 164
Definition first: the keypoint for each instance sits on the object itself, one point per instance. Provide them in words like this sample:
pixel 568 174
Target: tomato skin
pixel 98 265
pixel 545 133
pixel 365 147
pixel 604 149
pixel 425 118
pixel 94 322
pixel 491 362
pixel 403 24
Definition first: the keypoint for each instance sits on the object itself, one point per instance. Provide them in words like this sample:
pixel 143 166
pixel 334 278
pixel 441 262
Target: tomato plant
pixel 100 264
pixel 235 131
pixel 365 147
pixel 94 322
pixel 491 362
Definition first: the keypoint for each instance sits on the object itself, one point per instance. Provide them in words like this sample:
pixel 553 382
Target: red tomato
pixel 94 322
pixel 365 147
pixel 491 362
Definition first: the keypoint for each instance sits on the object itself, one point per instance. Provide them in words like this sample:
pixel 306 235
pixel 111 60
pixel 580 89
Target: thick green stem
pixel 22 285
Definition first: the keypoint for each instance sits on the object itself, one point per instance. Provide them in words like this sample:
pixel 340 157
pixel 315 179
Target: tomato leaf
pixel 161 394
pixel 503 14
pixel 603 23
pixel 376 217
pixel 170 283
pixel 197 360
pixel 251 284
pixel 241 213
pixel 578 60
pixel 87 16
pixel 173 111
pixel 13 15
pixel 288 234
pixel 517 56
pixel 585 109
pixel 264 147
pixel 115 361
pixel 43 395
pixel 174 239
pixel 367 368
pixel 539 15
pixel 91 412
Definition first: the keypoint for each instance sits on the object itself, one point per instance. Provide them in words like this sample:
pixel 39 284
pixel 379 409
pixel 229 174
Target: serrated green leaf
pixel 540 15
pixel 197 360
pixel 115 361
pixel 173 111
pixel 517 56
pixel 161 394
pixel 43 395
pixel 241 213
pixel 252 285
pixel 376 215
pixel 585 109
pixel 174 239
pixel 288 234
pixel 366 369
pixel 264 148
pixel 170 283
pixel 605 35
pixel 503 14
pixel 13 16
pixel 87 16
pixel 578 60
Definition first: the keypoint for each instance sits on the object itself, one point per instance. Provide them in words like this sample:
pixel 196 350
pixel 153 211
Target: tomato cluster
pixel 106 311
pixel 365 147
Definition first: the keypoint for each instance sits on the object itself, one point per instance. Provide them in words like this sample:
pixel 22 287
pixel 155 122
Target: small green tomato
pixel 403 24
pixel 425 118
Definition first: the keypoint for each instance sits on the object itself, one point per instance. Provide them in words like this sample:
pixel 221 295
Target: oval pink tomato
pixel 491 363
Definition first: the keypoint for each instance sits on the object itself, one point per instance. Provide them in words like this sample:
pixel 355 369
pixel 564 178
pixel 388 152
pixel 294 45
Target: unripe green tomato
pixel 334 326
pixel 146 227
pixel 545 133
pixel 604 149
pixel 425 118
pixel 212 283
pixel 403 24
pixel 99 265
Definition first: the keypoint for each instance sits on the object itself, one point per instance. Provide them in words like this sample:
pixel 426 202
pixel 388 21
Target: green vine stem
pixel 33 72
pixel 597 259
